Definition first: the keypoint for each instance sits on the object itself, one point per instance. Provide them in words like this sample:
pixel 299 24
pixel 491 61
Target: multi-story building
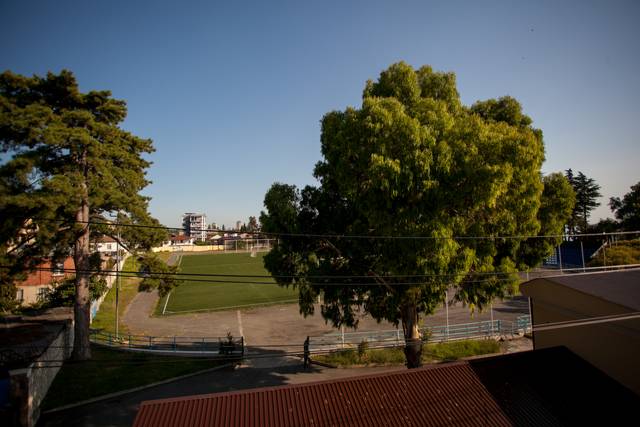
pixel 195 225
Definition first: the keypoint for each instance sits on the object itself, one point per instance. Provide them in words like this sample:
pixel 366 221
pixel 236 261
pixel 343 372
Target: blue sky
pixel 232 94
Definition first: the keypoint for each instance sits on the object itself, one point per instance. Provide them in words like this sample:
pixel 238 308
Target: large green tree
pixel 627 209
pixel 587 194
pixel 415 163
pixel 67 163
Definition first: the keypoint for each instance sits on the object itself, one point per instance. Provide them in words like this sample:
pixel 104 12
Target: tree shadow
pixel 263 366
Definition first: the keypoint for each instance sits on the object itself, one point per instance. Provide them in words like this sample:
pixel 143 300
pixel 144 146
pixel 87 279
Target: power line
pixel 348 236
pixel 241 282
pixel 194 277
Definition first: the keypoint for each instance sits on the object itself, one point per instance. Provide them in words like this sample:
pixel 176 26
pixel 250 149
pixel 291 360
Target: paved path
pixel 278 324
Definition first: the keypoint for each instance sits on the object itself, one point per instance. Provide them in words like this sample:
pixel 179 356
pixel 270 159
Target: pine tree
pixel 69 164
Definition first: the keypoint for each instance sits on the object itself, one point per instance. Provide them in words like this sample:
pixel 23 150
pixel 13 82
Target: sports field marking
pixel 233 307
pixel 165 303
pixel 240 325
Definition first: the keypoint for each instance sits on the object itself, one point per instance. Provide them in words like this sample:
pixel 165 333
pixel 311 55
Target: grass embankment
pixel 106 316
pixel 199 295
pixel 431 353
pixel 110 371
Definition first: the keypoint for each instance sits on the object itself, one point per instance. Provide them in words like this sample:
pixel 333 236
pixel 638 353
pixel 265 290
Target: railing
pixel 394 338
pixel 175 344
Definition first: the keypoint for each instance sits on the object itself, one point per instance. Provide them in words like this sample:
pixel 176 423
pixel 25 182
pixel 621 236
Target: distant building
pixel 178 240
pixel 195 225
pixel 106 245
pixel 39 282
pixel 238 225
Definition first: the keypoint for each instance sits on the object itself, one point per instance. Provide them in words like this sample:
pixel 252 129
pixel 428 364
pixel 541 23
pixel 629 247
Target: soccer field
pixel 195 295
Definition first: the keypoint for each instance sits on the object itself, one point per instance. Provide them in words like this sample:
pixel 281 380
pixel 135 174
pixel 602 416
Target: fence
pixel 394 338
pixel 178 345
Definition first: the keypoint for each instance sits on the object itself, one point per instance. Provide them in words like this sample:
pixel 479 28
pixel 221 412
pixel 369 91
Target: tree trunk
pixel 82 305
pixel 413 341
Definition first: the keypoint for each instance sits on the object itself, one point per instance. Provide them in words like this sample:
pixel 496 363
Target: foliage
pixel 70 165
pixel 627 209
pixel 253 224
pixel 412 161
pixel 455 350
pixel 623 252
pixel 63 294
pixel 606 225
pixel 440 352
pixel 156 274
pixel 363 347
pixel 556 205
pixel 587 193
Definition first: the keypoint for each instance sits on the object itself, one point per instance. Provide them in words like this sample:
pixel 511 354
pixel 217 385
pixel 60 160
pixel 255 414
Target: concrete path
pixel 282 324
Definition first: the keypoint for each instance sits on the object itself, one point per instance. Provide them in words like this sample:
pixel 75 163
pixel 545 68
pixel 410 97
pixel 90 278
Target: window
pixel 42 293
pixel 58 269
pixel 20 295
pixel 108 246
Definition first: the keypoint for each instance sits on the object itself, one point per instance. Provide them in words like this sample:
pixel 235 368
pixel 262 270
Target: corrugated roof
pixel 433 396
pixel 539 388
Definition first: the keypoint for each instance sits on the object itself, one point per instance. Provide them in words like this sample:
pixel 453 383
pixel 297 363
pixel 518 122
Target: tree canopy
pixel 68 164
pixel 587 194
pixel 627 209
pixel 414 163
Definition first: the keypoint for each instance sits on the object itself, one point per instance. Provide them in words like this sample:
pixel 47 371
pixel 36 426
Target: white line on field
pixel 231 307
pixel 165 303
pixel 240 326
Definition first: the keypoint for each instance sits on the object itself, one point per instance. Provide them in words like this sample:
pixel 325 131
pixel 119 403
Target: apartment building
pixel 195 225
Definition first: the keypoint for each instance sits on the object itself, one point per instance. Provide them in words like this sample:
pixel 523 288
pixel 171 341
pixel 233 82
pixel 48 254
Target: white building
pixel 195 225
pixel 106 246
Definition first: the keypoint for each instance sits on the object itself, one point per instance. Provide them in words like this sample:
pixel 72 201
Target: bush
pixel 449 351
pixel 362 349
pixel 619 253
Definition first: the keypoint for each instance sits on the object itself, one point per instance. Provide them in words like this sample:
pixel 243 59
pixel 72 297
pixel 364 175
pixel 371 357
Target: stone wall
pixel 29 385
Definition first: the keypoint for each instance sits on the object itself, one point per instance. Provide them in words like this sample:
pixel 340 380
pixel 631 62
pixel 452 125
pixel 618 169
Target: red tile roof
pixel 432 396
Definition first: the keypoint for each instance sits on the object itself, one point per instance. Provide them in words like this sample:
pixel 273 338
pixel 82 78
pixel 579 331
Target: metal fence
pixel 175 344
pixel 395 337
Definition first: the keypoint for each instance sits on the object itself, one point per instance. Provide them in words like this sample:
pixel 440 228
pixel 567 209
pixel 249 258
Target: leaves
pixel 413 161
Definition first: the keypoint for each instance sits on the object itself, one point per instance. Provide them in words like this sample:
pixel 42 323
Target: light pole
pixel 117 274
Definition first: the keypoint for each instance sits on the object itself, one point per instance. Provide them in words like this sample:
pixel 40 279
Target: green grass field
pixel 193 295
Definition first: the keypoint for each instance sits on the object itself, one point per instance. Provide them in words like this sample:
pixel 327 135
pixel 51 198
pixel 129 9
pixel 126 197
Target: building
pixel 612 346
pixel 534 388
pixel 47 275
pixel 195 225
pixel 107 246
pixel 178 240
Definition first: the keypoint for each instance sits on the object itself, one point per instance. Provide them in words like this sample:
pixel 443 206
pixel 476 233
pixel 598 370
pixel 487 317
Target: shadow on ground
pixel 519 304
pixel 263 367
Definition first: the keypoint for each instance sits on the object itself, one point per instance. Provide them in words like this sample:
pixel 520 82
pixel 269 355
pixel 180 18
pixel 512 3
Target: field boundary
pixel 231 307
